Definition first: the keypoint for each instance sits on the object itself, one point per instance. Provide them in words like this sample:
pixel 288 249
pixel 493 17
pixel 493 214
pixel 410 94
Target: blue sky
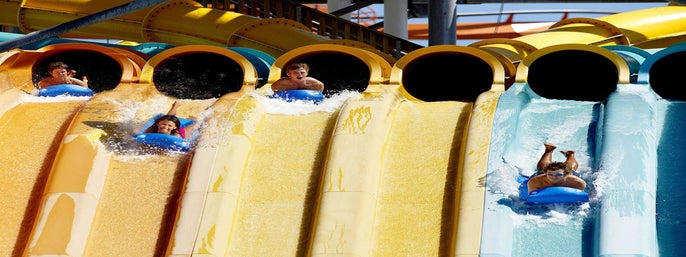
pixel 508 7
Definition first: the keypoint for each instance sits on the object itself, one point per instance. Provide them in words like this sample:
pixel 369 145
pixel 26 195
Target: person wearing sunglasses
pixel 550 173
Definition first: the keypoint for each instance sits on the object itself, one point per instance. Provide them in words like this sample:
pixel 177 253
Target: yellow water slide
pixel 417 169
pixel 255 192
pixel 374 177
pixel 33 131
pixel 657 27
pixel 79 194
pixel 176 22
pixel 385 169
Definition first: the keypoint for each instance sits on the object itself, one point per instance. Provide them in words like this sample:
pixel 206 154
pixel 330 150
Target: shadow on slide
pixel 661 73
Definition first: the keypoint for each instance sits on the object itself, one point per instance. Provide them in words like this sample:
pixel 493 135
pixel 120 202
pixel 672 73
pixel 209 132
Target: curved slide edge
pixel 71 197
pixel 9 99
pixel 211 193
pixel 347 201
pixel 244 60
pixel 379 67
pixel 21 64
pixel 27 163
pixel 472 171
pixel 633 56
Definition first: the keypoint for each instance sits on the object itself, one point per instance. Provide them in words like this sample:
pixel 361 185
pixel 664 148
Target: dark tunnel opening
pixel 337 71
pixel 102 71
pixel 447 77
pixel 198 76
pixel 573 75
pixel 665 76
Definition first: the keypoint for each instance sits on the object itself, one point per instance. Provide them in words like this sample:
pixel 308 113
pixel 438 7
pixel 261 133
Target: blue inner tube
pixel 550 194
pixel 164 141
pixel 65 89
pixel 300 94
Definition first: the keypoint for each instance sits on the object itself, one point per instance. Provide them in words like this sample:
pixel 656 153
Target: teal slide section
pixel 523 122
pixel 628 145
pixel 615 139
pixel 663 72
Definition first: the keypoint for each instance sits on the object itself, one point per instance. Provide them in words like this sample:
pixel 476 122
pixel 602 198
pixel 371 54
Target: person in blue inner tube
pixel 169 124
pixel 550 173
pixel 61 74
pixel 297 79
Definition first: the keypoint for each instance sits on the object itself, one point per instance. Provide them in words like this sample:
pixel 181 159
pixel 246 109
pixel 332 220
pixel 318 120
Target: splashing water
pixel 329 104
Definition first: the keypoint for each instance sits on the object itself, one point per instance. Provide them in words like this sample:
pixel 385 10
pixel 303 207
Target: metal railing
pixel 321 23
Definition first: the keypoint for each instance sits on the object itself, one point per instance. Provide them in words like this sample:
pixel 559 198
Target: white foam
pixel 329 104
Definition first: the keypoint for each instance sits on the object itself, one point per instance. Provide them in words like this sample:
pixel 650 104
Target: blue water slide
pixel 633 56
pixel 532 112
pixel 260 60
pixel 5 36
pixel 663 72
pixel 497 226
pixel 512 227
pixel 150 48
pixel 627 169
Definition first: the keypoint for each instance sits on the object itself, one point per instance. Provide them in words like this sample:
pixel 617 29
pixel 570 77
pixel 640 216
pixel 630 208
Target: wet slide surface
pixel 138 202
pixel 279 183
pixel 277 190
pixel 31 134
pixel 671 218
pixel 521 126
pixel 415 208
pixel 136 209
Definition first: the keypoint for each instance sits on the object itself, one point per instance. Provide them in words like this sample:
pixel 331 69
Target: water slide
pixel 657 76
pixel 414 149
pixel 572 120
pixel 617 123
